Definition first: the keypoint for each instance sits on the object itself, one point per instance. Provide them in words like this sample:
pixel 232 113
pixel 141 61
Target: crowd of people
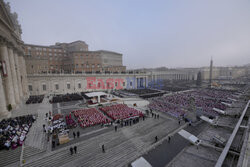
pixel 13 131
pixel 57 125
pixel 142 91
pixel 35 99
pixel 178 104
pixel 66 98
pixel 70 122
pixel 121 93
pixel 120 112
pixel 162 104
pixel 90 117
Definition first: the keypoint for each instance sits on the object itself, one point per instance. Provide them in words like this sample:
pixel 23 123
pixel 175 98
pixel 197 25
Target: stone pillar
pixel 21 74
pixel 7 81
pixel 25 79
pixel 3 106
pixel 19 84
pixel 14 75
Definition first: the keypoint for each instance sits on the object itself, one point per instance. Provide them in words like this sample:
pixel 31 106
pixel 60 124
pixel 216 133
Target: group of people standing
pixel 72 150
pixel 77 133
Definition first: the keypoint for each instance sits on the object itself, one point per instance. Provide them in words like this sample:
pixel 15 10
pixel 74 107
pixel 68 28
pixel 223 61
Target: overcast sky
pixel 149 33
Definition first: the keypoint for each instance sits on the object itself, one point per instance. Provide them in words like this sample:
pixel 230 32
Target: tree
pixel 9 107
pixel 199 80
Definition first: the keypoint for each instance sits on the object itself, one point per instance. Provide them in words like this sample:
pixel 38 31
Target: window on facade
pixel 68 86
pixel 30 88
pixel 115 83
pixel 93 66
pixel 130 83
pixel 79 85
pixel 57 86
pixel 123 83
pixel 99 84
pixel 44 87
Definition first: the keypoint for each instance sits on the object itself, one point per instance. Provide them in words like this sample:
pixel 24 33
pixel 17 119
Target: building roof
pixel 107 51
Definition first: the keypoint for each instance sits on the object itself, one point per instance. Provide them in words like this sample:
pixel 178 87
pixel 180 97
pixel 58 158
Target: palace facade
pixel 71 57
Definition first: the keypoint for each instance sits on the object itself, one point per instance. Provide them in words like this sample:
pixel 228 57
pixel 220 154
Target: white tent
pixel 96 94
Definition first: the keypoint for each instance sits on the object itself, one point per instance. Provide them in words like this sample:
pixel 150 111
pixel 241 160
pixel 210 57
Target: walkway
pixel 122 146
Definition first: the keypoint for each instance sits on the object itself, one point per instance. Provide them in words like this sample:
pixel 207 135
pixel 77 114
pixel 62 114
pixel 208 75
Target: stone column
pixel 7 81
pixel 3 106
pixel 14 75
pixel 21 73
pixel 25 80
pixel 19 84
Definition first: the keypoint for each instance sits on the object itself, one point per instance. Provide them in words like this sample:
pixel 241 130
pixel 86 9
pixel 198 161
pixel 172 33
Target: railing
pixel 230 140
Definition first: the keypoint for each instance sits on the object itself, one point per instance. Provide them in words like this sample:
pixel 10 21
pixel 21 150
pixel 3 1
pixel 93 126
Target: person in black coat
pixel 156 138
pixel 78 134
pixel 103 149
pixel 74 134
pixel 71 150
pixel 75 149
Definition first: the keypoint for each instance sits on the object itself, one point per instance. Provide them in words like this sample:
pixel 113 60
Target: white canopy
pixel 96 94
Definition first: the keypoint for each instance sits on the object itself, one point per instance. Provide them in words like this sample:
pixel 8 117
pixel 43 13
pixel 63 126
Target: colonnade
pixel 13 77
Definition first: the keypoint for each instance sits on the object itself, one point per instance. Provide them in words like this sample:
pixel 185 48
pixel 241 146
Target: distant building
pixel 71 57
pixel 211 73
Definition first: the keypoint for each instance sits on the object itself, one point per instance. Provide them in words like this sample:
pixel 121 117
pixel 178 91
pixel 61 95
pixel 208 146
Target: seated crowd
pixel 35 99
pixel 66 98
pixel 90 117
pixel 13 131
pixel 121 93
pixel 142 91
pixel 56 125
pixel 70 122
pixel 121 111
pixel 177 104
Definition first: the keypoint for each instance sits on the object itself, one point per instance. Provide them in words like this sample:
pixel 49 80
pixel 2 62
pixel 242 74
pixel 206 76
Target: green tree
pixel 199 80
pixel 9 107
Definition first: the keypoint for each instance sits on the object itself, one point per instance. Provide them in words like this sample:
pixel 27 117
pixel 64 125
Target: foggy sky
pixel 149 33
